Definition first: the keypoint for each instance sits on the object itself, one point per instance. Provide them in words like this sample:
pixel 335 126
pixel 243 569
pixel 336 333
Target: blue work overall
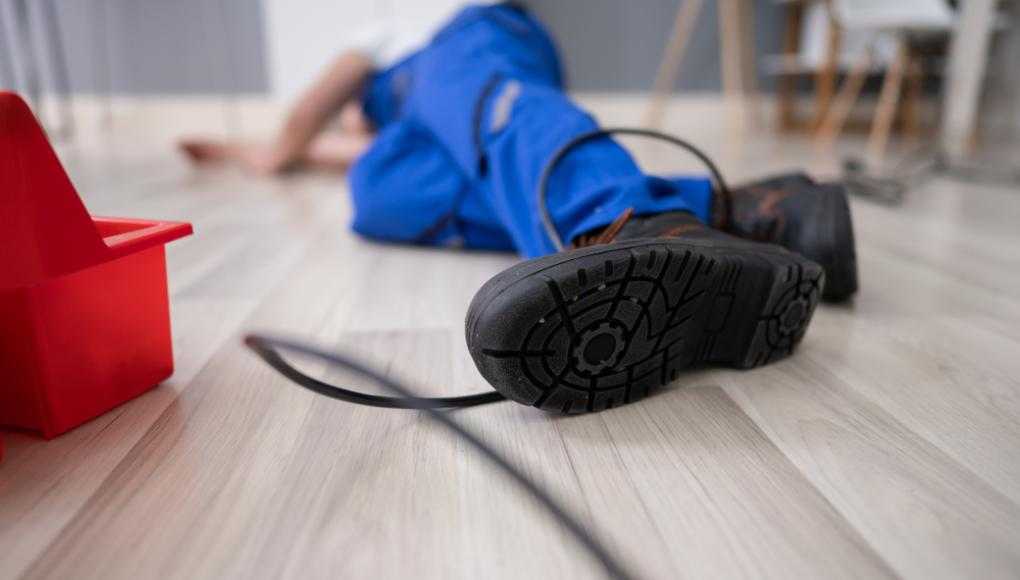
pixel 466 126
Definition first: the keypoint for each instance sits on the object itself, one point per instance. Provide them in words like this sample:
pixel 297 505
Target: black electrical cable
pixel 268 349
pixel 273 359
pixel 543 181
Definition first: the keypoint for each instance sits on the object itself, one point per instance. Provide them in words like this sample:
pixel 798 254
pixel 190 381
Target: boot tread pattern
pixel 618 325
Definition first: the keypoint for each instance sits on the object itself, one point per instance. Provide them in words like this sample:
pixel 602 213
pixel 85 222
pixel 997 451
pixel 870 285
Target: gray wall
pixel 151 46
pixel 617 44
pixel 217 46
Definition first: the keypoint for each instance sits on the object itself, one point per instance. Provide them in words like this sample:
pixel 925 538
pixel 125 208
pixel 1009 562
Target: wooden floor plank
pixel 923 512
pixel 702 470
pixel 271 440
pixel 887 446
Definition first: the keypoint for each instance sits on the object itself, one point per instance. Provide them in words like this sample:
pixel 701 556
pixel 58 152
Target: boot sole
pixel 593 329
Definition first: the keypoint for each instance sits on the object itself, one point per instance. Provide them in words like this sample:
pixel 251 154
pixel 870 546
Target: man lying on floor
pixel 658 274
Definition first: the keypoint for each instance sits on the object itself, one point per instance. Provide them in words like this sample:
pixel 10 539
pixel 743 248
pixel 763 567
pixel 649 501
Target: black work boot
pixel 599 326
pixel 812 219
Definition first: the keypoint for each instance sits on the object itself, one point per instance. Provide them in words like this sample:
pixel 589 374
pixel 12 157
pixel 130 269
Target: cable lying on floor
pixel 263 348
pixel 268 349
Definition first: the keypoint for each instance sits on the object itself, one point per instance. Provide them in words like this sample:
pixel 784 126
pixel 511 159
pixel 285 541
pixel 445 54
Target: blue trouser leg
pixel 408 188
pixel 481 111
pixel 590 187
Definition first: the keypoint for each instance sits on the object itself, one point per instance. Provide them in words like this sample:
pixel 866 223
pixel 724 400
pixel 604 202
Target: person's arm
pixel 341 82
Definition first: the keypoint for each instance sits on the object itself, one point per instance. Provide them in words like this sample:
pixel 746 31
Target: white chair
pixel 901 15
pixel 883 30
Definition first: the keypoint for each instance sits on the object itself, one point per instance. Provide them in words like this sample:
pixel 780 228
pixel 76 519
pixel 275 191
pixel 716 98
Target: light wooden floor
pixel 889 445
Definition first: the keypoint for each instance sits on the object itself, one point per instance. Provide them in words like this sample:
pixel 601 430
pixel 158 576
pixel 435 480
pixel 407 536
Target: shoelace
pixel 269 350
pixel 608 234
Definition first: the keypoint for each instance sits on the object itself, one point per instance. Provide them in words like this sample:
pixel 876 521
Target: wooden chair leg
pixel 825 79
pixel 910 112
pixel 751 105
pixel 731 52
pixel 786 101
pixel 888 102
pixel 832 125
pixel 730 41
pixel 672 58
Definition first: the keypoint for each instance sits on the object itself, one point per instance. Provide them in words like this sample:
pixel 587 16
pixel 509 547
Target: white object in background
pixel 898 15
pixel 303 36
pixel 814 42
pixel 402 30
pixel 865 22
pixel 968 58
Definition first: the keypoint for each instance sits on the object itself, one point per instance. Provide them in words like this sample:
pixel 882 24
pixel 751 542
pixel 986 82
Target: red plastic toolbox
pixel 84 311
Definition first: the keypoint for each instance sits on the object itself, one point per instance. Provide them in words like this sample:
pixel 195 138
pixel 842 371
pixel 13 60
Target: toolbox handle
pixel 127 236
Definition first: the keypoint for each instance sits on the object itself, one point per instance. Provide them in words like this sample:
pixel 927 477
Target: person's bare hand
pixel 254 158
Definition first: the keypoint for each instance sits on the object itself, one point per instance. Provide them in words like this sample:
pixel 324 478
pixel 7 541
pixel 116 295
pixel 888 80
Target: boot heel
pixel 785 314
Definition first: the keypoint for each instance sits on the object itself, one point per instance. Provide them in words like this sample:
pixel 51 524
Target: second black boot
pixel 794 211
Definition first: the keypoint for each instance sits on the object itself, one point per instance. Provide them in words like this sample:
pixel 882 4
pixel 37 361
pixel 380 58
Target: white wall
pixel 141 47
pixel 303 35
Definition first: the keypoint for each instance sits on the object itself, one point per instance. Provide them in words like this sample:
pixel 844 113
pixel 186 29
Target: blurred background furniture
pixel 895 27
pixel 823 39
pixel 737 57
pixel 860 38
pixel 968 61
